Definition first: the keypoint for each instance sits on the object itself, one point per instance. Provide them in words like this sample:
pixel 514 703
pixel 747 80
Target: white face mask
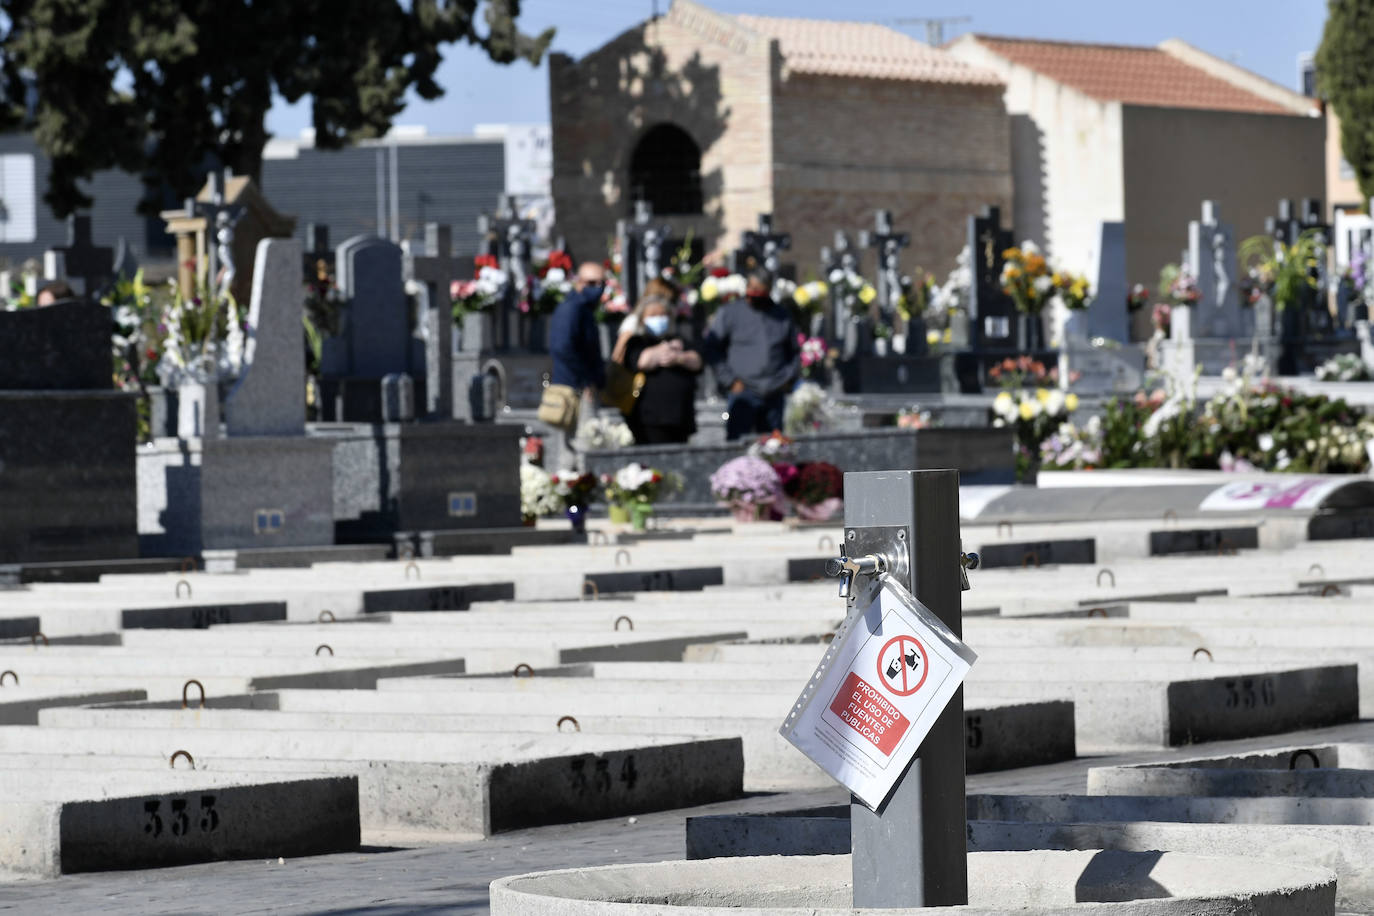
pixel 656 325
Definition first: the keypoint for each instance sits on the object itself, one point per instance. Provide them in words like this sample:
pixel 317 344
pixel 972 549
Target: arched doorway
pixel 665 170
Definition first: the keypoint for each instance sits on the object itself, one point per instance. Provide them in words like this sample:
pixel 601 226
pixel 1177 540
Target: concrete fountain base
pixel 1084 882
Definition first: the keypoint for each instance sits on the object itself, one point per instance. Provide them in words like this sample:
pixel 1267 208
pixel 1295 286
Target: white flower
pixel 1030 247
pixel 1054 405
pixel 1311 445
pixel 1004 406
pixel 836 276
pixel 555 275
pixel 1229 374
pixel 1266 442
pixel 633 476
pixel 1044 284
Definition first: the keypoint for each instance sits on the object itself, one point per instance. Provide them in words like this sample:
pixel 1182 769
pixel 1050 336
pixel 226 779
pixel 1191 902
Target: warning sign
pixel 878 692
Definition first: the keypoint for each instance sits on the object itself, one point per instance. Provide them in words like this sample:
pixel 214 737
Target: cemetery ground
pixel 392 736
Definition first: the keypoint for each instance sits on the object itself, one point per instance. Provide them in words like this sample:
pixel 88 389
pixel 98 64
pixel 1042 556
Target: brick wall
pixel 931 153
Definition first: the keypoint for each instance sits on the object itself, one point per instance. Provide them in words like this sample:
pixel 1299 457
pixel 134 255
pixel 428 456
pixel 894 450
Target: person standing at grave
pixel 665 371
pixel 575 341
pixel 753 351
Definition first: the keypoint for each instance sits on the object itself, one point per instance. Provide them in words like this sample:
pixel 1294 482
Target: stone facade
pixel 819 151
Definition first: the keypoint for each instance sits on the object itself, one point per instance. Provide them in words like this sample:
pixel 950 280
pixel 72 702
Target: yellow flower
pixel 1057 279
pixel 709 289
pixel 1071 402
pixel 821 288
pixel 1002 402
pixel 1011 254
pixel 1042 395
pixel 867 294
pixel 949 335
pixel 1027 410
pixel 1012 271
pixel 801 296
pixel 932 337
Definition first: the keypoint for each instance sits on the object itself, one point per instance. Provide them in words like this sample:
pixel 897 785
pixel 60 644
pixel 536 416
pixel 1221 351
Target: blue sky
pixel 1265 36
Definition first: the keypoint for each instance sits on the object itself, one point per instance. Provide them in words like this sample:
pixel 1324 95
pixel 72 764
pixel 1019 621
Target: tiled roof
pixel 1131 74
pixel 860 49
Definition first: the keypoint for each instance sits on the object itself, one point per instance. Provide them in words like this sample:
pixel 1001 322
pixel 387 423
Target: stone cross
pixel 219 228
pixel 641 249
pixel 377 329
pixel 269 397
pixel 1212 262
pixel 847 329
pixel 991 311
pixel 762 247
pixel 435 271
pixel 889 244
pixel 88 267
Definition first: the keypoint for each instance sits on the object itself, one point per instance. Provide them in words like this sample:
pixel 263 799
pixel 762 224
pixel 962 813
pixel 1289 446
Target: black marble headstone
pixel 994 327
pixel 63 347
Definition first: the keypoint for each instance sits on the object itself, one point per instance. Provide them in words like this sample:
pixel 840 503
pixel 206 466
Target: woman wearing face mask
pixel 665 410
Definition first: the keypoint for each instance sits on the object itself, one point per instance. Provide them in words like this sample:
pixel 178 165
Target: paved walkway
pixel 454 878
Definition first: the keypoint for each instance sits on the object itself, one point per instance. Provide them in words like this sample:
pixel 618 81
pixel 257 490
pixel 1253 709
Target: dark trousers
pixel 751 413
pixel 652 434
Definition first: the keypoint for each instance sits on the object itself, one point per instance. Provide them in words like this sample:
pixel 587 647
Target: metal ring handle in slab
pixel 627 620
pixel 1031 556
pixel 1316 568
pixel 415 566
pixel 1097 612
pixel 1170 515
pixel 37 636
pixel 597 537
pixel 1105 572
pixel 325 645
pixel 622 552
pixel 186 692
pixel 823 540
pixel 590 584
pixel 330 618
pixel 1297 755
pixel 11 674
pixel 1203 650
pixel 559 726
pixel 180 583
pixel 187 754
pixel 1008 526
pixel 529 672
pixel 1330 590
pixel 405 552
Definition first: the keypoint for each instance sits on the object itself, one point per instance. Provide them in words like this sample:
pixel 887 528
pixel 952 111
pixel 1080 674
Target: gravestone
pixel 761 248
pixel 375 339
pixel 1096 343
pixel 88 268
pixel 992 313
pixel 1108 315
pixel 67 439
pixel 436 270
pixel 268 398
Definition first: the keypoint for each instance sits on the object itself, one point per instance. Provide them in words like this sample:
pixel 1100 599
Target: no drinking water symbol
pixel 902 664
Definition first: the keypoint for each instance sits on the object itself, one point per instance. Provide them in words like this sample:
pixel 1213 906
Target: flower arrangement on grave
pixel 537 494
pixel 202 336
pixel 918 292
pixel 634 489
pixel 1138 297
pixel 137 309
pixel 814 353
pixel 914 418
pixel 1033 416
pixel 1161 318
pixel 749 486
pixel 685 276
pixel 953 295
pixel 853 289
pixel 480 293
pixel 808 410
pixel 1023 372
pixel 17 297
pixel 773 447
pixel 811 296
pixel 1073 290
pixel 575 489
pixel 1284 271
pixel 1073 448
pixel 816 491
pixel 1344 367
pixel 532 449
pixel 552 282
pixel 1027 278
pixel 720 287
pixel 599 432
pixel 1177 286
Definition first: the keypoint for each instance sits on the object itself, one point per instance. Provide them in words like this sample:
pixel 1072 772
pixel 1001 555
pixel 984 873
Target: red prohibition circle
pixel 907 689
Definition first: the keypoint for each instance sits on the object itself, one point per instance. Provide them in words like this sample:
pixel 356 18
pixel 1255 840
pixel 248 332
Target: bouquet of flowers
pixel 811 296
pixel 1345 367
pixel 852 288
pixel 748 484
pixel 774 447
pixel 604 433
pixel 482 291
pixel 1070 448
pixel 1033 416
pixel 195 327
pixel 914 418
pixel 817 490
pixel 574 488
pixel 554 282
pixel 721 287
pixel 1074 290
pixel 808 409
pixel 537 494
pixel 635 483
pixel 1137 298
pixel 813 352
pixel 1178 285
pixel 1162 317
pixel 918 294
pixel 1026 277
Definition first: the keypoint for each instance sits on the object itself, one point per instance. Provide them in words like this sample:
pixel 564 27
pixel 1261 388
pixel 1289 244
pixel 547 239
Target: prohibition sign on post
pixel 902 665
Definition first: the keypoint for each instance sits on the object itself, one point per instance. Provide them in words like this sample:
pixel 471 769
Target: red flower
pixel 485 260
pixel 560 260
pixel 719 272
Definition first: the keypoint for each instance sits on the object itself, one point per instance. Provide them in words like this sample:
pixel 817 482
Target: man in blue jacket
pixel 753 350
pixel 574 341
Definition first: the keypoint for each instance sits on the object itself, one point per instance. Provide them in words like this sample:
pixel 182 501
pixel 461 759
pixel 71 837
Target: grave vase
pixel 1290 338
pixel 618 514
pixel 577 517
pixel 640 514
pixel 478 332
pixel 1030 333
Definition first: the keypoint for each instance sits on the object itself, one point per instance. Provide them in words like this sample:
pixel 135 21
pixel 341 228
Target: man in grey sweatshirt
pixel 753 350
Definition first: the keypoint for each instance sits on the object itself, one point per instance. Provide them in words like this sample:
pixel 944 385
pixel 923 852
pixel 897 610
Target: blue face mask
pixel 656 325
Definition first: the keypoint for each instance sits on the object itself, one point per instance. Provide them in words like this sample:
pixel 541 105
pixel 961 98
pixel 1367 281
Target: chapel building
pixel 716 118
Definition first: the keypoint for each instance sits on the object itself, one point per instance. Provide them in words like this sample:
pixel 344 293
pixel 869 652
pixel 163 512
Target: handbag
pixel 558 407
pixel 622 388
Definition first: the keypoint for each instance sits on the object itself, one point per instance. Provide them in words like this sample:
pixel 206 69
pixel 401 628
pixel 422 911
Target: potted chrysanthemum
pixel 749 486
